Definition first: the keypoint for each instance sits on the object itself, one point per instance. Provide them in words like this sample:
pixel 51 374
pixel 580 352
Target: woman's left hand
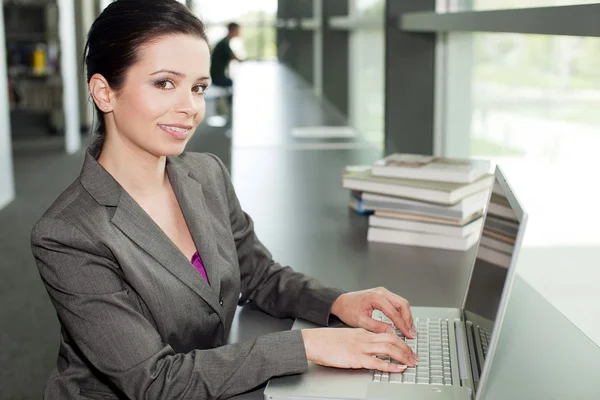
pixel 355 309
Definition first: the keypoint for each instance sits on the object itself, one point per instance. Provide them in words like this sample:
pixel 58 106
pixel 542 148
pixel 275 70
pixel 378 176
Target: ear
pixel 101 93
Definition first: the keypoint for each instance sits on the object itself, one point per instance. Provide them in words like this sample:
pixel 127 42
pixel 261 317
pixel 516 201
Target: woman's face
pixel 162 100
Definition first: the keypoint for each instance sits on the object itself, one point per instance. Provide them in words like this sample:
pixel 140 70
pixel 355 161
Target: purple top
pixel 197 262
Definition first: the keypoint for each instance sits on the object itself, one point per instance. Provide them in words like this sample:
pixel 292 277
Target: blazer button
pixel 221 301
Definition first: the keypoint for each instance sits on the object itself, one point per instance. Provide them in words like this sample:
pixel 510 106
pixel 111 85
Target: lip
pixel 174 134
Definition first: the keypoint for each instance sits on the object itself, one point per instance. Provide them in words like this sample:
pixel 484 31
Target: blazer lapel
pixel 193 205
pixel 132 220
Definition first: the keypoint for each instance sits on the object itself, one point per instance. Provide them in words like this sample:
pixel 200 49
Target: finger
pixel 400 304
pixel 403 307
pixel 396 351
pixel 392 313
pixel 395 341
pixel 381 365
pixel 372 325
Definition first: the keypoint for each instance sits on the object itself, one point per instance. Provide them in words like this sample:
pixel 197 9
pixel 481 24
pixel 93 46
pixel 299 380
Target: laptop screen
pixel 493 256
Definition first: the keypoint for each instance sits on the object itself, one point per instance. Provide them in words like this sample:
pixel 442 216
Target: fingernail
pixel 413 332
pixel 414 361
pixel 390 330
pixel 400 366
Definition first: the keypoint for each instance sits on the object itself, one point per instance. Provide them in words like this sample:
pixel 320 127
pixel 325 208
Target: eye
pixel 164 84
pixel 199 89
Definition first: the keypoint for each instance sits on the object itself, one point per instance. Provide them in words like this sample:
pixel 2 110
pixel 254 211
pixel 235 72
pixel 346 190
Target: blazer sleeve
pixel 96 308
pixel 276 290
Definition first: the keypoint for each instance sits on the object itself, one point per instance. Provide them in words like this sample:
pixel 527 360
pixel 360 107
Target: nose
pixel 188 103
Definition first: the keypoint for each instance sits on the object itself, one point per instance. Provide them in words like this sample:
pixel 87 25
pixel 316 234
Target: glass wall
pixel 367 69
pixel 257 20
pixel 530 104
pixel 534 109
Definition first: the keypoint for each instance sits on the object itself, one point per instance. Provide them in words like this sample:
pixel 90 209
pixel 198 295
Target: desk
pixel 424 276
pixel 295 197
pixel 541 354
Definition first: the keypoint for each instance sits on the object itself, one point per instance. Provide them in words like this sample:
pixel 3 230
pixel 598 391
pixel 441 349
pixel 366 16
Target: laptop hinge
pixel 463 353
pixel 472 354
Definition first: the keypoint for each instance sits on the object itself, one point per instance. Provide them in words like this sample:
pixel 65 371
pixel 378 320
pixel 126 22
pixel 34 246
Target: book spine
pixel 415 226
pixel 422 175
pixel 441 212
pixel 356 203
pixel 420 239
pixel 395 190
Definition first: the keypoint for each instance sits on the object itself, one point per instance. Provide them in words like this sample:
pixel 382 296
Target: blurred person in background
pixel 222 55
pixel 146 256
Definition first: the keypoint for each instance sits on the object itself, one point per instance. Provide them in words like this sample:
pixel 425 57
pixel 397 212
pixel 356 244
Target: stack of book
pixel 421 200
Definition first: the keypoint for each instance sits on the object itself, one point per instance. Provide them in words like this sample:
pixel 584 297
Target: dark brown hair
pixel 125 25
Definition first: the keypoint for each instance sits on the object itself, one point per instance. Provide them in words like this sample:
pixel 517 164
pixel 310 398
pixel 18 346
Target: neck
pixel 140 173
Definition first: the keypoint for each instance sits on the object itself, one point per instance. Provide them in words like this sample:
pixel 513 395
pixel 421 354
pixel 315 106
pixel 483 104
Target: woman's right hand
pixel 355 348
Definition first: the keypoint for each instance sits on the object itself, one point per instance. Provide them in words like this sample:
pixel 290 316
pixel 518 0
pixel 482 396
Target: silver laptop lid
pixel 492 272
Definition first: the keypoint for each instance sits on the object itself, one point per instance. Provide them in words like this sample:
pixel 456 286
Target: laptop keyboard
pixel 485 337
pixel 432 345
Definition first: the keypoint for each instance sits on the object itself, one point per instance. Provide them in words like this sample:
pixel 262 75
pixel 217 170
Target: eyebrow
pixel 179 74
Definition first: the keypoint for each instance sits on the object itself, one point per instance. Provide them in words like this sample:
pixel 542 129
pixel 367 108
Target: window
pixel 367 58
pixel 528 103
pixel 531 105
pixel 534 109
pixel 256 18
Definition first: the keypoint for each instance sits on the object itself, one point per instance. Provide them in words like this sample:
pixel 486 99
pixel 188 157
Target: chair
pixel 221 97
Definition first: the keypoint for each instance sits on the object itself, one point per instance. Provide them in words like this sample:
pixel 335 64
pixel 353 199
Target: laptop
pixel 454 345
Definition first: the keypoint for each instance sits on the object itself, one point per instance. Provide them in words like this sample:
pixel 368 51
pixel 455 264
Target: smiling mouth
pixel 179 132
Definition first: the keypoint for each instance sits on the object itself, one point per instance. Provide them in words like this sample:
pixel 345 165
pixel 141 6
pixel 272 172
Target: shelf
pixel 310 24
pixel 574 20
pixel 29 110
pixel 287 23
pixel 26 37
pixel 27 3
pixel 341 22
pixel 30 76
pixel 351 23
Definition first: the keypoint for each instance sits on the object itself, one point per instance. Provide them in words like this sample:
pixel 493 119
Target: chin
pixel 167 150
pixel 174 150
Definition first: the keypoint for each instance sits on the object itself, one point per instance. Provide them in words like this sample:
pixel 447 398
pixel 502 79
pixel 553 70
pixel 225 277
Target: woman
pixel 146 255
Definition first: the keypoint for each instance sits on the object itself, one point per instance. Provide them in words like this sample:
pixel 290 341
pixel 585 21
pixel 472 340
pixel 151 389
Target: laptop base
pixel 331 383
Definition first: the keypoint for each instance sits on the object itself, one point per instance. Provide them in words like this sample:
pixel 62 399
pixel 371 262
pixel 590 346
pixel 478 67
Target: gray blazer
pixel 138 320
